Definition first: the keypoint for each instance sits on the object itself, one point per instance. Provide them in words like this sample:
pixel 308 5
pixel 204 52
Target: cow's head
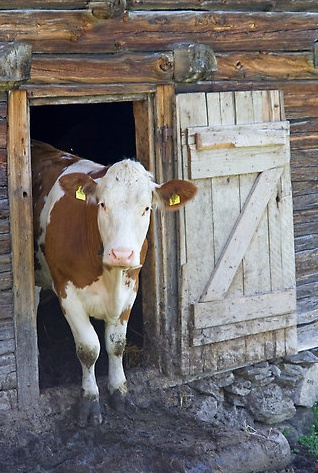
pixel 125 196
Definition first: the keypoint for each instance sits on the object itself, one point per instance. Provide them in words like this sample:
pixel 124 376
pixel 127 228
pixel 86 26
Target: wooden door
pixel 238 302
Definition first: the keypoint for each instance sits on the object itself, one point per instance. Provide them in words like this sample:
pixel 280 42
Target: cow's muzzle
pixel 124 257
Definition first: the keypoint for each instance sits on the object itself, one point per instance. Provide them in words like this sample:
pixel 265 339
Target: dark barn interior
pixel 105 133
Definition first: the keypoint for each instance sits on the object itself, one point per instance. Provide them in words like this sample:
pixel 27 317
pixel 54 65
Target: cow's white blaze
pixel 124 196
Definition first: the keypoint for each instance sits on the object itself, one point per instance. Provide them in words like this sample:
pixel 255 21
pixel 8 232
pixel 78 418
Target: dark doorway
pixel 105 133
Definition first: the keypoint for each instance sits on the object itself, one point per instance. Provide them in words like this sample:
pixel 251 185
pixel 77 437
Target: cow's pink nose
pixel 121 256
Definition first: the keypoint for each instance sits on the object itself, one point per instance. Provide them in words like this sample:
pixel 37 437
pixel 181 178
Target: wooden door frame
pixel 153 110
pixel 21 228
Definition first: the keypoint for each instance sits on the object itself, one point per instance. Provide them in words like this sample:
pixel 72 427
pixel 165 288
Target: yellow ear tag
pixel 79 194
pixel 174 199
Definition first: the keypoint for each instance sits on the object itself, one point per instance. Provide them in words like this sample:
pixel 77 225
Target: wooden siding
pixel 238 5
pixel 78 31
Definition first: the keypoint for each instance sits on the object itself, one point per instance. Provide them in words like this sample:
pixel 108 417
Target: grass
pixel 311 441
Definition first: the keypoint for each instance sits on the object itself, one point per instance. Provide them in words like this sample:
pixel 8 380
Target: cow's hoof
pixel 120 402
pixel 90 413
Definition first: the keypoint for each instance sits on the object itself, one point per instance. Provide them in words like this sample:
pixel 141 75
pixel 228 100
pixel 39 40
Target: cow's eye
pixel 102 205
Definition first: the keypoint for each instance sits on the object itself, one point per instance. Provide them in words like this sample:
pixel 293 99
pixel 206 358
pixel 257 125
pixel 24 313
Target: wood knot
pixel 108 9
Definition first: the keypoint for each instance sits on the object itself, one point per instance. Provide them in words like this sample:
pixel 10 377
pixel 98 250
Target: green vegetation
pixel 311 441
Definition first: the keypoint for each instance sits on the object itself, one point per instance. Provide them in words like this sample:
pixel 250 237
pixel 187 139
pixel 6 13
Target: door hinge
pixel 165 132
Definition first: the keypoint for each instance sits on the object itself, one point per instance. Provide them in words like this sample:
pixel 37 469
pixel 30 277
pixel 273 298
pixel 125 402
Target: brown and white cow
pixel 90 226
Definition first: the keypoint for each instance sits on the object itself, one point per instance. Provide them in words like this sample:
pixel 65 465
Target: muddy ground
pixel 156 436
pixel 158 433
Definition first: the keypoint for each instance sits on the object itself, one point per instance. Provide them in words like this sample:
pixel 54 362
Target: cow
pixel 90 226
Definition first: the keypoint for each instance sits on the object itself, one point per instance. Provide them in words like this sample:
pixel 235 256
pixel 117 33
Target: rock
pixel 8 399
pixel 224 379
pixel 276 371
pixel 300 424
pixel 303 421
pixel 303 358
pixel 306 392
pixel 255 453
pixel 239 401
pixel 290 376
pixel 233 417
pixel 259 374
pixel 269 405
pixel 208 410
pixel 240 387
pixel 208 387
pixel 290 433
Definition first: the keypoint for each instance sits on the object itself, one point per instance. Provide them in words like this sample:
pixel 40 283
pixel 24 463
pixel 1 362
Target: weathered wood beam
pixel 266 66
pixel 235 5
pixel 134 67
pixel 80 32
pixel 238 5
pixel 42 4
pixel 15 64
pixel 186 63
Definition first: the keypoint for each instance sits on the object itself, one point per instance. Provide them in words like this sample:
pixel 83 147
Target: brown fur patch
pixel 178 190
pixel 72 244
pixel 47 165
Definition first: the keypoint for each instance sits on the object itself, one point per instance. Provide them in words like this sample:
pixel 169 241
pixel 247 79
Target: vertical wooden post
pixel 144 125
pixel 166 232
pixel 20 198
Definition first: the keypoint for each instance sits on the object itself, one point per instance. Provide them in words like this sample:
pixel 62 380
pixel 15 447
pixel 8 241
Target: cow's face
pixel 124 196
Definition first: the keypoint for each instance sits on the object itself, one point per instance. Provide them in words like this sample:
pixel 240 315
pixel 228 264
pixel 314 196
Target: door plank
pixel 238 161
pixel 224 114
pixel 237 330
pixel 239 309
pixel 234 250
pixel 240 136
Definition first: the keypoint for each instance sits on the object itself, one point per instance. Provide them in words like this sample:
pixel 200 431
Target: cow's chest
pixel 108 297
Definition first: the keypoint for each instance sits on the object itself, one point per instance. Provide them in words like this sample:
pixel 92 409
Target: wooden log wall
pixel 259 44
pixel 8 379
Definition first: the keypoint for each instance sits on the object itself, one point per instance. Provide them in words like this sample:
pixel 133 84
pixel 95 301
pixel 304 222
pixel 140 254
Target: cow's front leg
pixel 115 341
pixel 87 350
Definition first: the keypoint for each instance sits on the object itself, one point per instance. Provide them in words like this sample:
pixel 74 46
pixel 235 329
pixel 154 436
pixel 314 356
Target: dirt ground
pixel 302 462
pixel 156 434
pixel 149 438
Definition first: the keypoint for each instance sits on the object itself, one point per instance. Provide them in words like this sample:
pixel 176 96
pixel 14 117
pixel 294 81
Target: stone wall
pixel 272 394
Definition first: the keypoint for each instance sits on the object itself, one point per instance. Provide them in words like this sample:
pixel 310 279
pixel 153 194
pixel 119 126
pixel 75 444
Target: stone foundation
pixel 278 394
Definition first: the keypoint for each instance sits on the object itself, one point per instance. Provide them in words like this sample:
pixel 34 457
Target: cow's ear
pixel 79 186
pixel 174 194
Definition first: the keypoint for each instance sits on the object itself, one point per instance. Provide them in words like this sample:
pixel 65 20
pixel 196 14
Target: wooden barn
pixel 222 92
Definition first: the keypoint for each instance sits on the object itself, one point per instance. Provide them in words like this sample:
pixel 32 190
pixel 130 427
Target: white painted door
pixel 238 301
